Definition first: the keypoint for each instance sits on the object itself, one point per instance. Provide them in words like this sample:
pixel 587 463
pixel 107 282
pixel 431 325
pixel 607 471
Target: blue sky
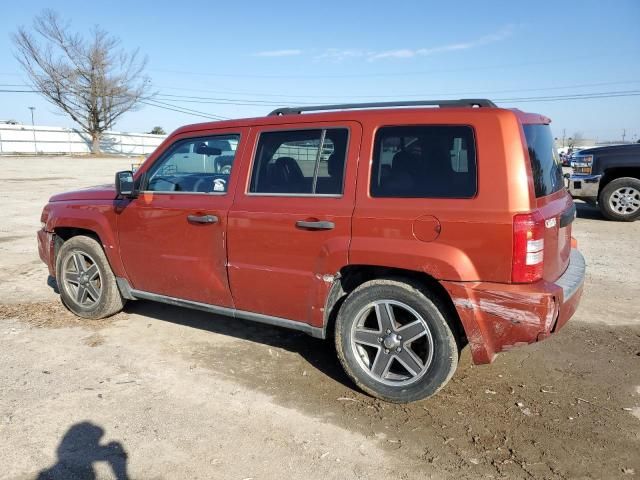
pixel 267 54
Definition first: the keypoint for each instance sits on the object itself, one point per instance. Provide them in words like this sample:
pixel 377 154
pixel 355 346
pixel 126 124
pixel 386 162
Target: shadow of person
pixel 79 449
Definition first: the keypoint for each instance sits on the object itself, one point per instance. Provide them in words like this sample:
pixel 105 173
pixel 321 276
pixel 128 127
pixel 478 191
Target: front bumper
pixel 584 186
pixel 46 250
pixel 497 317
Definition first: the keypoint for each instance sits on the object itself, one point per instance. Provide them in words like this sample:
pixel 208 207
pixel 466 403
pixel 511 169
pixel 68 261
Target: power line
pixel 421 95
pixel 219 117
pixel 176 110
pixel 285 97
pixel 179 109
pixel 229 101
pixel 243 102
pixel 629 93
pixel 19 91
pixel 160 104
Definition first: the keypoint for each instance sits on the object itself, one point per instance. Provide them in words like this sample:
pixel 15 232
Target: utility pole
pixel 564 134
pixel 624 134
pixel 33 129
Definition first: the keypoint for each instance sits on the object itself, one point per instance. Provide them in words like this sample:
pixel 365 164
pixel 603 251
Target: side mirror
pixel 125 186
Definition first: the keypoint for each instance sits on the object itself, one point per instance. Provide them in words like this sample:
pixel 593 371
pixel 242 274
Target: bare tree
pixel 575 140
pixel 92 80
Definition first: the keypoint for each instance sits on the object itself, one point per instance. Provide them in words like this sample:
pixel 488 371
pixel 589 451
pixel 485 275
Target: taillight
pixel 528 248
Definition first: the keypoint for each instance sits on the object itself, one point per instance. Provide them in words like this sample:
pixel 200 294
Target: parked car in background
pixel 401 245
pixel 609 177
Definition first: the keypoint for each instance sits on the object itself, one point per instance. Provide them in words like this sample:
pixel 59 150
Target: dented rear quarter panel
pixel 498 317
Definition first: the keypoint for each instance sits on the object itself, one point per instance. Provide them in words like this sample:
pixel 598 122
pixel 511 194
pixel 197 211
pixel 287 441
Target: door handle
pixel 315 225
pixel 202 219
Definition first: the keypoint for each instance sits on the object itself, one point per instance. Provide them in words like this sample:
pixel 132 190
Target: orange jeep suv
pixel 403 231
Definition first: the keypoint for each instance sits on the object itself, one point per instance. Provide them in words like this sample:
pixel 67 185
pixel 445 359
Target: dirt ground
pixel 163 392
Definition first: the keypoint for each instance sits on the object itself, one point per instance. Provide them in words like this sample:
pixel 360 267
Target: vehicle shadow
pixel 79 449
pixel 588 212
pixel 53 284
pixel 320 354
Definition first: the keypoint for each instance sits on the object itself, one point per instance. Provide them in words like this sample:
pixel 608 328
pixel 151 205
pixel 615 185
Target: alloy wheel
pixel 625 201
pixel 392 342
pixel 82 278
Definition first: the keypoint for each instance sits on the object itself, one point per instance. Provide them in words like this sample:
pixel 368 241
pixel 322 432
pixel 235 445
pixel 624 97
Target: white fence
pixel 28 140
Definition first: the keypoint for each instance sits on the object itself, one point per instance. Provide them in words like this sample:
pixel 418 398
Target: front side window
pixel 196 165
pixel 300 162
pixel 424 162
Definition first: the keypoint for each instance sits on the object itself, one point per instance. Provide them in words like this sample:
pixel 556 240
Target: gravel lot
pixel 163 392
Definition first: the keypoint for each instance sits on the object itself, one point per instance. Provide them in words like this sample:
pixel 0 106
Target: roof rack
pixel 464 102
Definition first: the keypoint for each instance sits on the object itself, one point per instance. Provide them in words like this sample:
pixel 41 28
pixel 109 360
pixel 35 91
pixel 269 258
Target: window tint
pixel 198 165
pixel 300 161
pixel 545 163
pixel 424 162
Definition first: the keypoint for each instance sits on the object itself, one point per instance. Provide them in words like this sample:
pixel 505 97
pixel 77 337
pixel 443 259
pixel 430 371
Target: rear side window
pixel 424 162
pixel 300 162
pixel 545 163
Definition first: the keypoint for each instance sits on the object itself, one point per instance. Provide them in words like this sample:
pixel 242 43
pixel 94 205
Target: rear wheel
pixel 87 285
pixel 620 199
pixel 393 340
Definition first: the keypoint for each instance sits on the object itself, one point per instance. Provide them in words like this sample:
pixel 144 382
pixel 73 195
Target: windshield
pixel 545 163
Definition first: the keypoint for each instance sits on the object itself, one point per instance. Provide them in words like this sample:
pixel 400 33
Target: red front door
pixel 173 236
pixel 290 227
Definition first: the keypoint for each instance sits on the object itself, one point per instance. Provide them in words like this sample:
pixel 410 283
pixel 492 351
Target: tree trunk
pixel 95 143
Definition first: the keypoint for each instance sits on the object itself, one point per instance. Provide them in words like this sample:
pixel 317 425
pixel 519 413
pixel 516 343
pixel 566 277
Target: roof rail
pixel 464 102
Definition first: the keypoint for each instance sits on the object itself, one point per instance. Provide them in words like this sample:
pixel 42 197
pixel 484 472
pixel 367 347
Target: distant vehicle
pixel 569 156
pixel 426 229
pixel 608 177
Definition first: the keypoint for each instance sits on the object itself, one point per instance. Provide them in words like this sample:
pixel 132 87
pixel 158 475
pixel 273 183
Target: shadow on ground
pixel 557 409
pixel 588 212
pixel 79 449
pixel 320 354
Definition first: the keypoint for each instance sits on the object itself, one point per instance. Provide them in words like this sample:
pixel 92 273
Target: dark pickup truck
pixel 610 178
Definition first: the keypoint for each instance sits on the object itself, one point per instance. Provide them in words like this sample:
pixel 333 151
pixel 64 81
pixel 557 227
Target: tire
pixel 619 200
pixel 362 341
pixel 87 285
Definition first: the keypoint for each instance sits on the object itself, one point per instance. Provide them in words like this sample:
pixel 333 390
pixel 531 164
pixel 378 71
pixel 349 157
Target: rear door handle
pixel 316 225
pixel 202 218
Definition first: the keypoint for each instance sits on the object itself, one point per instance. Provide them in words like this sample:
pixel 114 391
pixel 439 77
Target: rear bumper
pixel 584 186
pixel 497 317
pixel 46 250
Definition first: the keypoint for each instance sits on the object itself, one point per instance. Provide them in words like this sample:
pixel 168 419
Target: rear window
pixel 545 163
pixel 424 162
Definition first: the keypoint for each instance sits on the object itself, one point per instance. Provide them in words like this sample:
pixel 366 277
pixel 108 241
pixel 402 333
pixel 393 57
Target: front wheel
pixel 394 342
pixel 620 199
pixel 87 285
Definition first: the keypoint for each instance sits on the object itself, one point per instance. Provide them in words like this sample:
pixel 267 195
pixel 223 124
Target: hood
pixel 631 148
pixel 99 192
